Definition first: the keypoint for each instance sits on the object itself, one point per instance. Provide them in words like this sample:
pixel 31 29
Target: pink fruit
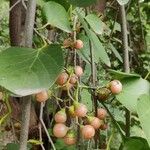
pixel 60 130
pixel 101 113
pixel 78 44
pixel 60 116
pixel 87 132
pixel 80 110
pixel 73 79
pixel 95 122
pixel 115 86
pixel 42 96
pixel 78 71
pixel 62 78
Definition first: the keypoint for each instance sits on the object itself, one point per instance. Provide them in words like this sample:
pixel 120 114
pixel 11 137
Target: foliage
pixel 27 71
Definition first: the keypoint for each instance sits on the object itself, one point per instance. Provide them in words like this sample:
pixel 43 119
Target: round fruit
pixel 42 96
pixel 101 113
pixel 60 116
pixel 78 44
pixel 78 71
pixel 95 122
pixel 73 79
pixel 60 130
pixel 62 79
pixel 115 86
pixel 87 132
pixel 103 94
pixel 70 138
pixel 104 127
pixel 80 110
pixel 1 95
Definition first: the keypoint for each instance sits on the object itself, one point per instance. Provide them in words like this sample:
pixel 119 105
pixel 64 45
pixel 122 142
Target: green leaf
pixel 113 49
pixel 84 52
pixel 12 146
pixel 57 16
pixel 64 3
pixel 82 3
pixel 123 2
pixel 86 99
pixel 143 110
pixel 121 75
pixel 135 143
pixel 133 87
pixel 26 71
pixel 98 48
pixel 95 22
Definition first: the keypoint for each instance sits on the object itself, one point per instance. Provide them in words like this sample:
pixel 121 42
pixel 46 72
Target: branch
pixel 93 73
pixel 26 105
pixel 141 26
pixel 125 58
pixel 40 134
pixel 44 126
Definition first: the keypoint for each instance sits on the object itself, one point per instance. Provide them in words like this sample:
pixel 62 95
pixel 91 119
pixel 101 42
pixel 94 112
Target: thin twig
pixel 74 38
pixel 10 9
pixel 94 78
pixel 40 133
pixel 19 1
pixel 44 126
pixel 141 26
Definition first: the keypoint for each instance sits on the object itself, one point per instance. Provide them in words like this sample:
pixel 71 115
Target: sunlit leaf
pixel 57 16
pixel 26 71
pixel 95 22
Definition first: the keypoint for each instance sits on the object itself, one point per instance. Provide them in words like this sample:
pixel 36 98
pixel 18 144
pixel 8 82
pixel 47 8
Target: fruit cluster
pixel 68 79
pixel 88 127
pixel 88 123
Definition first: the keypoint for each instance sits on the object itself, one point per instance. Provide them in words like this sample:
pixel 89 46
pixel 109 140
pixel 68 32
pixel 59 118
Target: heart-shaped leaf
pixel 57 16
pixel 133 87
pixel 143 110
pixel 82 3
pixel 26 71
